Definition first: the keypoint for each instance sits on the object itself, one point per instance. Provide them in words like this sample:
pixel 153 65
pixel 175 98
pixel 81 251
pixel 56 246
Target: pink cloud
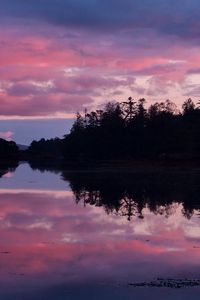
pixel 7 135
pixel 84 69
pixel 8 175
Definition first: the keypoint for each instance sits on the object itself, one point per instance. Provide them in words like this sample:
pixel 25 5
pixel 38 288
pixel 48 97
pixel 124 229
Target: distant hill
pixel 22 147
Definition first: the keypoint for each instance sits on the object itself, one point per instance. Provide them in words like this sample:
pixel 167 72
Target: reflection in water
pixel 52 248
pixel 7 168
pixel 128 195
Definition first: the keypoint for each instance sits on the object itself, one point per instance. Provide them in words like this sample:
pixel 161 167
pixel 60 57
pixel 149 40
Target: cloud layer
pixel 58 57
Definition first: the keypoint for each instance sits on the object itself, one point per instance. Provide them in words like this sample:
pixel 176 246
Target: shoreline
pixel 108 166
pixel 118 166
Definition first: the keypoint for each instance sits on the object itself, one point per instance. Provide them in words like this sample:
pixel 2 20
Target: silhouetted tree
pixel 129 130
pixel 8 149
pixel 188 107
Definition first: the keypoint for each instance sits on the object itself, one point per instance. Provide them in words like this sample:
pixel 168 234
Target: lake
pixel 99 235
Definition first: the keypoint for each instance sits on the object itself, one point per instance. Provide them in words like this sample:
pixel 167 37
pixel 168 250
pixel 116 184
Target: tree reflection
pixel 129 194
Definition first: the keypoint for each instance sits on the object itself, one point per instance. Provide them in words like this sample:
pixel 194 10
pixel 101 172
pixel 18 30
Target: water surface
pixel 77 235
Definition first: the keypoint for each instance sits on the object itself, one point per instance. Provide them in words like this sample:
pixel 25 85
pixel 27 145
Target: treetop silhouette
pixel 130 130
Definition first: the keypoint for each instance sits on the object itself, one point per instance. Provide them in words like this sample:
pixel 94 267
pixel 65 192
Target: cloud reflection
pixel 48 237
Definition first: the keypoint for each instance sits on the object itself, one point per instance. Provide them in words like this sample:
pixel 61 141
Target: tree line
pixel 8 150
pixel 129 130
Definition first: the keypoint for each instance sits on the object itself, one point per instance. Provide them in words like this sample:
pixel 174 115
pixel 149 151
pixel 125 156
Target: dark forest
pixel 128 130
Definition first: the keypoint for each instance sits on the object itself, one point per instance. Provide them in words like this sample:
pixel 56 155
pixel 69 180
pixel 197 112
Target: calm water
pixel 66 235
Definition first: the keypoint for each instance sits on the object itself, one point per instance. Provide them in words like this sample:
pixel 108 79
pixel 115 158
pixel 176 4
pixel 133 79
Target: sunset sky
pixel 59 56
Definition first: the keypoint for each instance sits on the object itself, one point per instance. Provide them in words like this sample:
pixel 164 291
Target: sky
pixel 59 56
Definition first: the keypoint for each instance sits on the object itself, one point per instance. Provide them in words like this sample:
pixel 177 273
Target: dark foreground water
pixel 69 235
